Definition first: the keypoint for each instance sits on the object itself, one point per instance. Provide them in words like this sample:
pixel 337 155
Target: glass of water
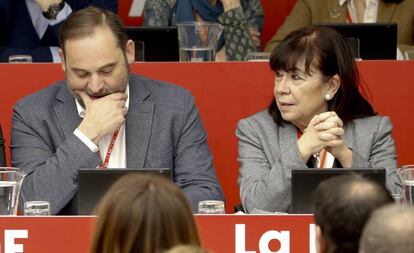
pixel 36 208
pixel 398 193
pixel 258 56
pixel 398 196
pixel 198 40
pixel 407 177
pixel 211 207
pixel 20 58
pixel 409 54
pixel 139 50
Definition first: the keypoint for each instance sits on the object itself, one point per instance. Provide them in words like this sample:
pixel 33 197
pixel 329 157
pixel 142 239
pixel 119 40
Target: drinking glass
pixel 354 44
pixel 258 56
pixel 139 50
pixel 11 180
pixel 36 208
pixel 398 193
pixel 407 177
pixel 20 58
pixel 398 196
pixel 211 207
pixel 409 54
pixel 198 40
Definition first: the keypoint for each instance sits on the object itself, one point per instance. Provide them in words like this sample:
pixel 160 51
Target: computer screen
pixel 94 183
pixel 159 43
pixel 305 182
pixel 376 40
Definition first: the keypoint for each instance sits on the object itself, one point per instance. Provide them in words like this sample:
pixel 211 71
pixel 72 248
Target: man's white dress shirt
pixel 118 156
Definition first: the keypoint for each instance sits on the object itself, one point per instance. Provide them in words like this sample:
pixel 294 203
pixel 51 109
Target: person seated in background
pixel 145 214
pixel 102 116
pixel 187 249
pixel 31 27
pixel 390 229
pixel 308 12
pixel 342 206
pixel 242 21
pixel 318 118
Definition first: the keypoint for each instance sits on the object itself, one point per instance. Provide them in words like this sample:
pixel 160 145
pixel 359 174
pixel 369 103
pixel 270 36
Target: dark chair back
pixel 2 152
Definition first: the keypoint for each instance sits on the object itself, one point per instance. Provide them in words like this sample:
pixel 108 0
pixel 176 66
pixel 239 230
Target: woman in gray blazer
pixel 318 118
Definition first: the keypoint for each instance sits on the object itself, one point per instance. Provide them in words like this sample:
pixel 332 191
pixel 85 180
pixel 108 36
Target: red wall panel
pixel 227 92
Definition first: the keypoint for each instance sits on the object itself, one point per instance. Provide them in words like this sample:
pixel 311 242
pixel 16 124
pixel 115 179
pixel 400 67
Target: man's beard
pixel 105 91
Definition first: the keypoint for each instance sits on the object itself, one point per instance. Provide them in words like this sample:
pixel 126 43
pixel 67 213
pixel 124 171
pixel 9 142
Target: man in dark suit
pixel 103 116
pixel 31 27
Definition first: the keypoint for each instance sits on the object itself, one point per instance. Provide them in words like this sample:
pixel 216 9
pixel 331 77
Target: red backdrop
pixel 227 92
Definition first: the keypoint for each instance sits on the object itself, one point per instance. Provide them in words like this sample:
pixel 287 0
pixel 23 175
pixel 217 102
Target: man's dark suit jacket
pixel 18 36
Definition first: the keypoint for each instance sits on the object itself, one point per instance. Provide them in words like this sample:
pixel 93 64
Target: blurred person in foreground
pixel 187 249
pixel 143 214
pixel 390 229
pixel 31 27
pixel 242 21
pixel 317 119
pixel 342 206
pixel 102 116
pixel 308 12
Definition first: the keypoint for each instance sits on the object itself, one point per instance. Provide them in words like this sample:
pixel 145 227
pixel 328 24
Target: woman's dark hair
pixel 327 51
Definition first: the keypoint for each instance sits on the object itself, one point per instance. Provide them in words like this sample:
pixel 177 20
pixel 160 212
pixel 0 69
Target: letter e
pixel 9 236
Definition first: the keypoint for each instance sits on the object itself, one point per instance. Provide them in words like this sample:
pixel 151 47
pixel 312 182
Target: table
pixel 219 233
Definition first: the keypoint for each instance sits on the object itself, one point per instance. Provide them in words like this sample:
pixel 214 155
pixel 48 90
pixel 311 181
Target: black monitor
pixel 376 40
pixel 94 183
pixel 160 43
pixel 305 181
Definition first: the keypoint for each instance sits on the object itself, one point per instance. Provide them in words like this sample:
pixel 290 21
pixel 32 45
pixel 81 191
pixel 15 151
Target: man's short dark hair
pixel 390 229
pixel 83 23
pixel 342 205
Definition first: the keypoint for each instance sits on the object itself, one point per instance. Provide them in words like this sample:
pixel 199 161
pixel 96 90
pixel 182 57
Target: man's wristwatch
pixel 53 10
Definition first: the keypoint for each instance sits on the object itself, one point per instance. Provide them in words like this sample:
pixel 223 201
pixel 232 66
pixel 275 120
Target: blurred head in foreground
pixel 390 229
pixel 145 214
pixel 342 206
pixel 187 249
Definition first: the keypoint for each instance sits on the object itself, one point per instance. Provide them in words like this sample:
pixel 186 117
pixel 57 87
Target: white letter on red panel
pixel 283 237
pixel 241 239
pixel 9 236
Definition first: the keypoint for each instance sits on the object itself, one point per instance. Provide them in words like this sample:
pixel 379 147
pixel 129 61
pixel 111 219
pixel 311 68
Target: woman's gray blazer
pixel 268 152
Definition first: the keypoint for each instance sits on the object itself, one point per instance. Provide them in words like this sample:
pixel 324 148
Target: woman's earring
pixel 328 97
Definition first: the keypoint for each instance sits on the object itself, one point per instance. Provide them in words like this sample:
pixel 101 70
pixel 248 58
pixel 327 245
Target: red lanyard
pixel 323 159
pixel 323 155
pixel 348 16
pixel 104 164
